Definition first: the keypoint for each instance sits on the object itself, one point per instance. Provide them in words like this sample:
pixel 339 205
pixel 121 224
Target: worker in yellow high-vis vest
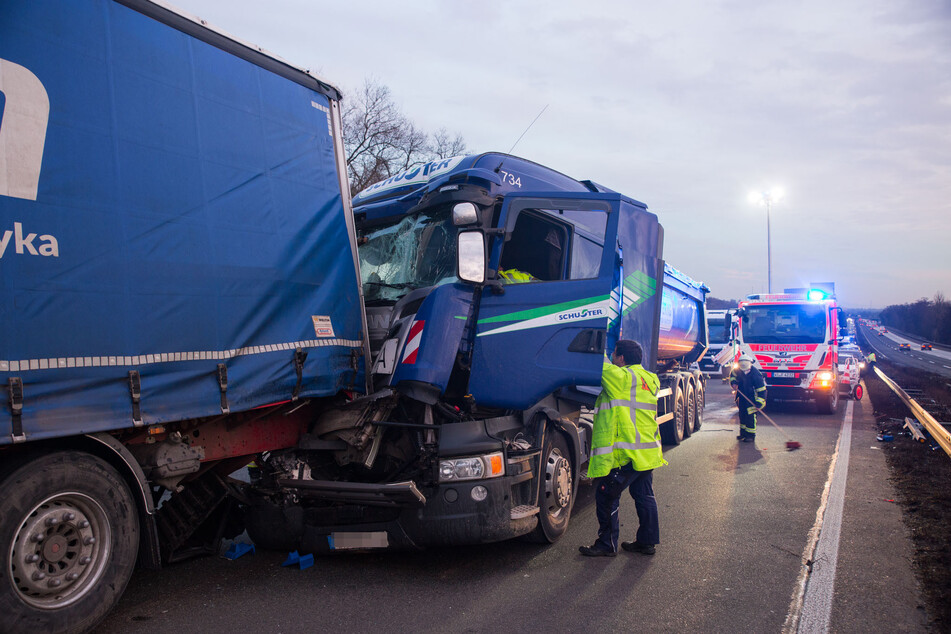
pixel 625 449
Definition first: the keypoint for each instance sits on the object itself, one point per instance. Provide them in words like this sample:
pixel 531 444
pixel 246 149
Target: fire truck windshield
pixel 785 323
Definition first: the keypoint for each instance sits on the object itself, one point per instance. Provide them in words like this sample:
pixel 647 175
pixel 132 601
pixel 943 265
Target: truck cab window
pixel 585 258
pixel 536 247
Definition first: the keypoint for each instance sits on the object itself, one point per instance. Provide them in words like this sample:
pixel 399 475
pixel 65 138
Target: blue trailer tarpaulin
pixel 165 207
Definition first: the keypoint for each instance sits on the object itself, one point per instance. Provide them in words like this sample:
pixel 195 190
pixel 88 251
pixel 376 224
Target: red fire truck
pixel 793 338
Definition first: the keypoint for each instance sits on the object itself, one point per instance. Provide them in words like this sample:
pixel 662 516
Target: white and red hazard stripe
pixel 412 342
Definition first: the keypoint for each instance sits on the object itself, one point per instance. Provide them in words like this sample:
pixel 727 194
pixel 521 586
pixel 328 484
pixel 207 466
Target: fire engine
pixel 793 338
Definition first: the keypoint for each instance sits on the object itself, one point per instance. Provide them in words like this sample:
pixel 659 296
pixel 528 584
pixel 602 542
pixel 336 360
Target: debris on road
pixel 238 549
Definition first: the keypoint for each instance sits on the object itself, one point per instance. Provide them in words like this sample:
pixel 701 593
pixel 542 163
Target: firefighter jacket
pixel 752 385
pixel 625 421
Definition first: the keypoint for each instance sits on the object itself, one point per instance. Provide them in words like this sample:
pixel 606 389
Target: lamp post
pixel 767 198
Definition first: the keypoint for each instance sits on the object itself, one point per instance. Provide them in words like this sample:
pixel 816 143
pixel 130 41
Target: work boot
pixel 740 437
pixel 749 438
pixel 637 547
pixel 591 551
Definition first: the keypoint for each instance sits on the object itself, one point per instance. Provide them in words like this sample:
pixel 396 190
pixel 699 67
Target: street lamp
pixel 767 198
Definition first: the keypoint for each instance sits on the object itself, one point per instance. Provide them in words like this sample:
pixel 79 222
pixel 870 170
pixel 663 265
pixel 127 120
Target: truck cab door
pixel 545 327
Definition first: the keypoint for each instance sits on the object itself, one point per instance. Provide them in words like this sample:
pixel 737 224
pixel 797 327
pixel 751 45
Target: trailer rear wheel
pixel 69 536
pixel 672 431
pixel 690 406
pixel 700 403
pixel 556 493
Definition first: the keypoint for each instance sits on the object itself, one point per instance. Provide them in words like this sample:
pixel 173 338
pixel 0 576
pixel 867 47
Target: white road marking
pixel 811 608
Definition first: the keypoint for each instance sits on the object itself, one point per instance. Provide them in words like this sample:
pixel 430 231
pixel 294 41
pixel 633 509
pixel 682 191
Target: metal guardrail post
pixel 941 435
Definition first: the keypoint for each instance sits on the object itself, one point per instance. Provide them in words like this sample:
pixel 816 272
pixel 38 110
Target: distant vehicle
pixel 851 368
pixel 881 332
pixel 718 328
pixel 904 346
pixel 926 346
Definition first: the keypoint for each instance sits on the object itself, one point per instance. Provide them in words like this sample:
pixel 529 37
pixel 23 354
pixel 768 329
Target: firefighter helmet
pixel 745 362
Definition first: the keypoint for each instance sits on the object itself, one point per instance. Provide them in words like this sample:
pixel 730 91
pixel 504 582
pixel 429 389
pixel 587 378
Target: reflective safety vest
pixel 514 276
pixel 618 438
pixel 871 357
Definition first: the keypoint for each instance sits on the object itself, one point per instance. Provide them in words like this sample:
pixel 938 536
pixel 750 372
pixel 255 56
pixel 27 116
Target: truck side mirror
pixel 470 251
pixel 464 214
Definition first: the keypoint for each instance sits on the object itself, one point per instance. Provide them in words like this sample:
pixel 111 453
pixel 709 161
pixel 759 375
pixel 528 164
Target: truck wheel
pixel 857 393
pixel 556 493
pixel 70 535
pixel 827 404
pixel 672 432
pixel 699 404
pixel 690 408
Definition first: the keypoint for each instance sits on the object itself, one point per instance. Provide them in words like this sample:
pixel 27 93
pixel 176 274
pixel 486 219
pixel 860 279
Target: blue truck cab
pixel 493 288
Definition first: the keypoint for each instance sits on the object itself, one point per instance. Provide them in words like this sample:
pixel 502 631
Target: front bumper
pixel 449 515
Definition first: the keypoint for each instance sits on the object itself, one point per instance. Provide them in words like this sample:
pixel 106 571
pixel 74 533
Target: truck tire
pixel 829 403
pixel 857 392
pixel 672 432
pixel 700 402
pixel 690 407
pixel 70 535
pixel 556 494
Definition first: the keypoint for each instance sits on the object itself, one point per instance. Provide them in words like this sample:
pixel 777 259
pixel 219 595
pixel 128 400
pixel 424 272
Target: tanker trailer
pixel 682 341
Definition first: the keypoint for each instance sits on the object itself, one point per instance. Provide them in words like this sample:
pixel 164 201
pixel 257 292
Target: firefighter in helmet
pixel 749 390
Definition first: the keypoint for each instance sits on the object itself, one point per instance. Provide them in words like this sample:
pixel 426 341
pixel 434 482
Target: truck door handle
pixel 590 340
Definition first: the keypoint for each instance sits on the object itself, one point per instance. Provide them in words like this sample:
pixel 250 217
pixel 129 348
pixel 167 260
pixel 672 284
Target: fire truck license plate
pixel 784 375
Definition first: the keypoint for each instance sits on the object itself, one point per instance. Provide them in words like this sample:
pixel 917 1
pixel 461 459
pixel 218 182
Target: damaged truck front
pixel 493 287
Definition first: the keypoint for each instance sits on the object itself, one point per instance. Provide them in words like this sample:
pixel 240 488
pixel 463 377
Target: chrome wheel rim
pixel 557 483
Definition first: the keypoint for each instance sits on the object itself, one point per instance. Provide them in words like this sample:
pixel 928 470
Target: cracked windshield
pixel 412 252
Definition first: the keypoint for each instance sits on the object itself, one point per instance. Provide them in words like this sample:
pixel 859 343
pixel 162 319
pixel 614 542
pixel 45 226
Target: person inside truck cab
pixel 534 252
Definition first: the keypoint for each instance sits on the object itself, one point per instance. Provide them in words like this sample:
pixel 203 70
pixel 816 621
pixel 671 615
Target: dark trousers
pixel 747 420
pixel 607 498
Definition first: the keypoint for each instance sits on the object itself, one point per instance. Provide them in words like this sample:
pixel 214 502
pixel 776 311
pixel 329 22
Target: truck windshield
pixel 409 252
pixel 716 332
pixel 788 323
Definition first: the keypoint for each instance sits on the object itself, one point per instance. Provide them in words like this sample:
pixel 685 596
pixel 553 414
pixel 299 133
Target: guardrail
pixel 941 435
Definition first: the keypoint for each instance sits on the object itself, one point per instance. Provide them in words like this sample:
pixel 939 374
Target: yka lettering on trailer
pixel 28 243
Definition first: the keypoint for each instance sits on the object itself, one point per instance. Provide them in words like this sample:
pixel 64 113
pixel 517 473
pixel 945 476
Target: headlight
pixel 825 376
pixel 473 468
pixel 862 365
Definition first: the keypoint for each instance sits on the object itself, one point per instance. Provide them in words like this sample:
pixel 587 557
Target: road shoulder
pixel 875 582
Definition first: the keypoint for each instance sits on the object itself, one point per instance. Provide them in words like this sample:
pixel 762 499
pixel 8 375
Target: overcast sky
pixel 688 107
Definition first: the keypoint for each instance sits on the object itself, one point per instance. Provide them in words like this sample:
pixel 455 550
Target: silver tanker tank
pixel 683 325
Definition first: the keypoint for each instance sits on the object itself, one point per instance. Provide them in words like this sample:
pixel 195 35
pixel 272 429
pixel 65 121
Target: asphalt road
pixel 736 520
pixel 936 361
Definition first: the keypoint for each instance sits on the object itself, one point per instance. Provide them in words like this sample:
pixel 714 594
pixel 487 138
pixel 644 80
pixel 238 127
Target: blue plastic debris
pixel 237 549
pixel 293 558
pixel 296 559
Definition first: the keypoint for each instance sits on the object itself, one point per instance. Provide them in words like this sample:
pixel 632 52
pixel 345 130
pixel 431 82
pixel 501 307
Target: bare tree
pixel 380 141
pixel 443 147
